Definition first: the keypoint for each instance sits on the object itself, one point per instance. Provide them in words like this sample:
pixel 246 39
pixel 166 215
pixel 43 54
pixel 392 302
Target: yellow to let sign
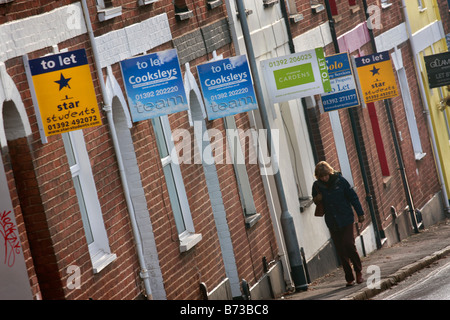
pixel 65 92
pixel 376 77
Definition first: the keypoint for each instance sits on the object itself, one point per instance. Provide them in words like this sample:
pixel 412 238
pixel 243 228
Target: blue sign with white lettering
pixel 154 85
pixel 227 87
pixel 343 92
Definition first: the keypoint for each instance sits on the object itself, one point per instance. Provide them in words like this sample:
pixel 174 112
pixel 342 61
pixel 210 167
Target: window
pixel 420 4
pixel 182 11
pixel 378 140
pixel 245 191
pixel 175 185
pixel 385 4
pixel 89 205
pixel 333 7
pixel 106 10
pixel 105 4
pixel 334 11
pixel 410 116
pixel 316 6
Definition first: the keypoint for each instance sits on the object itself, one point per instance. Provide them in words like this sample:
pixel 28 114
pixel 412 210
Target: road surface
pixel 432 283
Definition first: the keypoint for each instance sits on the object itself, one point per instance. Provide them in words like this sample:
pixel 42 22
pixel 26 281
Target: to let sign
pixel 376 77
pixel 343 92
pixel 438 69
pixel 154 85
pixel 297 75
pixel 64 91
pixel 227 87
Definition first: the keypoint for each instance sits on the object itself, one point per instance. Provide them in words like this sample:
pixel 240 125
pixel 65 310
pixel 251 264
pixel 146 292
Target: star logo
pixel 375 71
pixel 63 82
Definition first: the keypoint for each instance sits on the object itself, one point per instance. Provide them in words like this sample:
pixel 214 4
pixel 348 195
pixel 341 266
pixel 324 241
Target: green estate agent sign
pixel 297 75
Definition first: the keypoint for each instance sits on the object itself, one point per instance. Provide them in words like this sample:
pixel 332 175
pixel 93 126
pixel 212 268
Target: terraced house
pixel 97 202
pixel 383 148
pixel 128 172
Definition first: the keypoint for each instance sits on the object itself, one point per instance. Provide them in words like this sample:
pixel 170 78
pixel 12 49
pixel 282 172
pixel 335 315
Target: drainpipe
pixel 427 110
pixel 288 26
pixel 395 140
pixel 279 237
pixel 108 109
pixel 285 14
pixel 369 197
pixel 287 222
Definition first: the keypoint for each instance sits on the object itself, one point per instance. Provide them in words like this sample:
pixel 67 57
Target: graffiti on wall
pixel 10 238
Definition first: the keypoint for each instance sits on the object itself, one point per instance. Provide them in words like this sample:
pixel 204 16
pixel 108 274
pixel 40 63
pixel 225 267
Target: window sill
pixel 387 180
pixel 101 260
pixel 337 18
pixel 305 203
pixel 422 10
pixel 295 18
pixel 213 4
pixel 109 13
pixel 146 2
pixel 269 3
pixel 251 220
pixel 354 9
pixel 247 13
pixel 419 156
pixel 185 15
pixel 316 8
pixel 188 241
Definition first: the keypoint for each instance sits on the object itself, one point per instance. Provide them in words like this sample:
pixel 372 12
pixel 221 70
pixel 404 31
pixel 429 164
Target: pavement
pixel 383 268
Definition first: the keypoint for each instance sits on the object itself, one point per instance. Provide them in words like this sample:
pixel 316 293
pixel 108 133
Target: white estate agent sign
pixel 297 75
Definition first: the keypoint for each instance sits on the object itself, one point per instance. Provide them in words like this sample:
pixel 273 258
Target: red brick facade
pixel 421 175
pixel 45 201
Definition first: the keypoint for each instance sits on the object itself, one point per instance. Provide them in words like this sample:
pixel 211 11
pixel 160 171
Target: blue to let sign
pixel 343 92
pixel 154 85
pixel 227 87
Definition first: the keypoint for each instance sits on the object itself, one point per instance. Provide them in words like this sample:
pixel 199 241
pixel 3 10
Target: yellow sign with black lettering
pixel 376 77
pixel 65 92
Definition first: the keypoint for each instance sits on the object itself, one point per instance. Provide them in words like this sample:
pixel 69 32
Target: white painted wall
pixel 269 39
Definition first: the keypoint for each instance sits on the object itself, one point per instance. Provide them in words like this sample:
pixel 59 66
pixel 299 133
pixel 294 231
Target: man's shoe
pixel 359 278
pixel 350 283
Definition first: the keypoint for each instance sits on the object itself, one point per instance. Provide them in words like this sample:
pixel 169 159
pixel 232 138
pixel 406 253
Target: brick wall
pixel 25 243
pixel 45 193
pixel 386 192
pixel 252 244
pixel 59 222
pixel 202 41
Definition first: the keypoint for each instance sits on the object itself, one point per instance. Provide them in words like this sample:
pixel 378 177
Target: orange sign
pixel 376 77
